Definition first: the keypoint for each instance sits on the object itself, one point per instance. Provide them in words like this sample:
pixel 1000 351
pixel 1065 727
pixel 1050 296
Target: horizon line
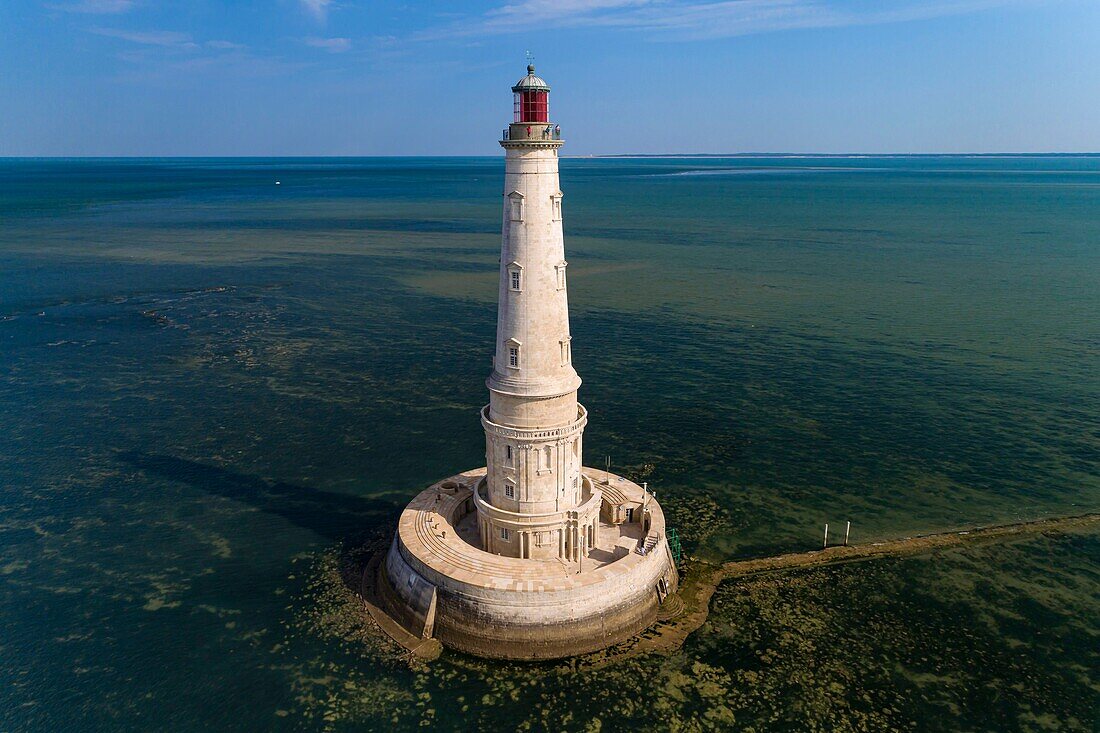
pixel 762 154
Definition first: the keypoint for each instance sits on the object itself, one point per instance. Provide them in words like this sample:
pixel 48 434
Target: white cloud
pixel 224 45
pixel 332 45
pixel 539 11
pixel 317 8
pixel 96 7
pixel 167 39
pixel 691 20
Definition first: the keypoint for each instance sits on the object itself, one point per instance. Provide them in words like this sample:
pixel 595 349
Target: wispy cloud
pixel 95 7
pixel 317 8
pixel 224 45
pixel 332 45
pixel 697 20
pixel 166 39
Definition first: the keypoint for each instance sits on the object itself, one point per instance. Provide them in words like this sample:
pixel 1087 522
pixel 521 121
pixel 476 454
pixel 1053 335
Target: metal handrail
pixel 553 134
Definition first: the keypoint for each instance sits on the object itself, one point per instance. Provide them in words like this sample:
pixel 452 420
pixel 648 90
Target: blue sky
pixel 363 77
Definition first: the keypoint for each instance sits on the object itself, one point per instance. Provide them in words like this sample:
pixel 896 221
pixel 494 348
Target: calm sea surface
pixel 209 383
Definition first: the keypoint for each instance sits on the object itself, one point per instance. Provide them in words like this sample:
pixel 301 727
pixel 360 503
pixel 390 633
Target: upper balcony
pixel 532 132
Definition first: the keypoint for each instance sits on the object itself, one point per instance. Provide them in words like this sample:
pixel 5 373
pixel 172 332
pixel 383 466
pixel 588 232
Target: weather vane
pixel 530 58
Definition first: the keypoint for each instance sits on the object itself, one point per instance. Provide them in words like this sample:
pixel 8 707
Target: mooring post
pixel 847 529
pixel 826 545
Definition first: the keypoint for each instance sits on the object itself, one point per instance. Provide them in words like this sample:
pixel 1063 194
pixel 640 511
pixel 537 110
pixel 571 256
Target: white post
pixel 846 531
pixel 826 536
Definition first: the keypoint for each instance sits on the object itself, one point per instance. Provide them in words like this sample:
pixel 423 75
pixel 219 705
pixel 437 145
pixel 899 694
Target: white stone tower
pixel 534 555
pixel 537 503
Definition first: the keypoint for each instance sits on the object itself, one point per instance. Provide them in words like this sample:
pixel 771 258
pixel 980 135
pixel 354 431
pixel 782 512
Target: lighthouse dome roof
pixel 531 83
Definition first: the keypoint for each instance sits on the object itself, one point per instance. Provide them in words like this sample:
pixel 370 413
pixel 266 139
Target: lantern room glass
pixel 531 107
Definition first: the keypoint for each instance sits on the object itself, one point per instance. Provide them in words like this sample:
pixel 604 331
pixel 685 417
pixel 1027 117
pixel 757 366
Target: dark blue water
pixel 208 382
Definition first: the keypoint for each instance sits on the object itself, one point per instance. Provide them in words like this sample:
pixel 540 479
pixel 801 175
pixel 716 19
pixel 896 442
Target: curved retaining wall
pixel 438 585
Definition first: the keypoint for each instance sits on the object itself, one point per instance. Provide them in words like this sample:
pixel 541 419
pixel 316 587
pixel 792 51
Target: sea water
pixel 215 373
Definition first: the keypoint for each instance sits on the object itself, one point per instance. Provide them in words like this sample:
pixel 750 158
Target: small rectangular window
pixel 556 208
pixel 504 533
pixel 515 279
pixel 510 491
pixel 513 357
pixel 508 455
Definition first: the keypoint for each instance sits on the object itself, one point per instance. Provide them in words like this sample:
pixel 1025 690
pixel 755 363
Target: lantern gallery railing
pixel 534 131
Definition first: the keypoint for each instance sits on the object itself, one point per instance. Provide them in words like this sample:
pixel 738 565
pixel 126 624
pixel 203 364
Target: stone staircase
pixel 651 541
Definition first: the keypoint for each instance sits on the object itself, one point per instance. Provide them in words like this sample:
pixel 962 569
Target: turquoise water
pixel 208 382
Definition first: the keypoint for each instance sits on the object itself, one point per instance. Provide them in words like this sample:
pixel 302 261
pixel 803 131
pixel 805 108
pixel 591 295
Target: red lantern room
pixel 532 98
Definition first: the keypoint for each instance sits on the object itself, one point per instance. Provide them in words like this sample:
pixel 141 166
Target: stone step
pixel 672 607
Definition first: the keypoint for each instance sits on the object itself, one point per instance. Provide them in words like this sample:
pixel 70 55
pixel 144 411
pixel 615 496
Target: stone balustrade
pixel 535 434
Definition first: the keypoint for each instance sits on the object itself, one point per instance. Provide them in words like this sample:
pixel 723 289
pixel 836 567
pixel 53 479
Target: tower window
pixel 513 357
pixel 515 276
pixel 507 455
pixel 510 490
pixel 555 206
pixel 566 355
pixel 504 533
pixel 560 272
pixel 549 453
pixel 515 206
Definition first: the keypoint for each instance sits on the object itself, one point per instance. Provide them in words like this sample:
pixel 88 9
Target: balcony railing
pixel 538 132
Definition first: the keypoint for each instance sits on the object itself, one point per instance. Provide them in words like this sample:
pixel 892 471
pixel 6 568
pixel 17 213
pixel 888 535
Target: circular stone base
pixel 437 582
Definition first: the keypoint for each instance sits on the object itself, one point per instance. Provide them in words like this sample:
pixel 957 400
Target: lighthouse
pixel 533 555
pixel 535 506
